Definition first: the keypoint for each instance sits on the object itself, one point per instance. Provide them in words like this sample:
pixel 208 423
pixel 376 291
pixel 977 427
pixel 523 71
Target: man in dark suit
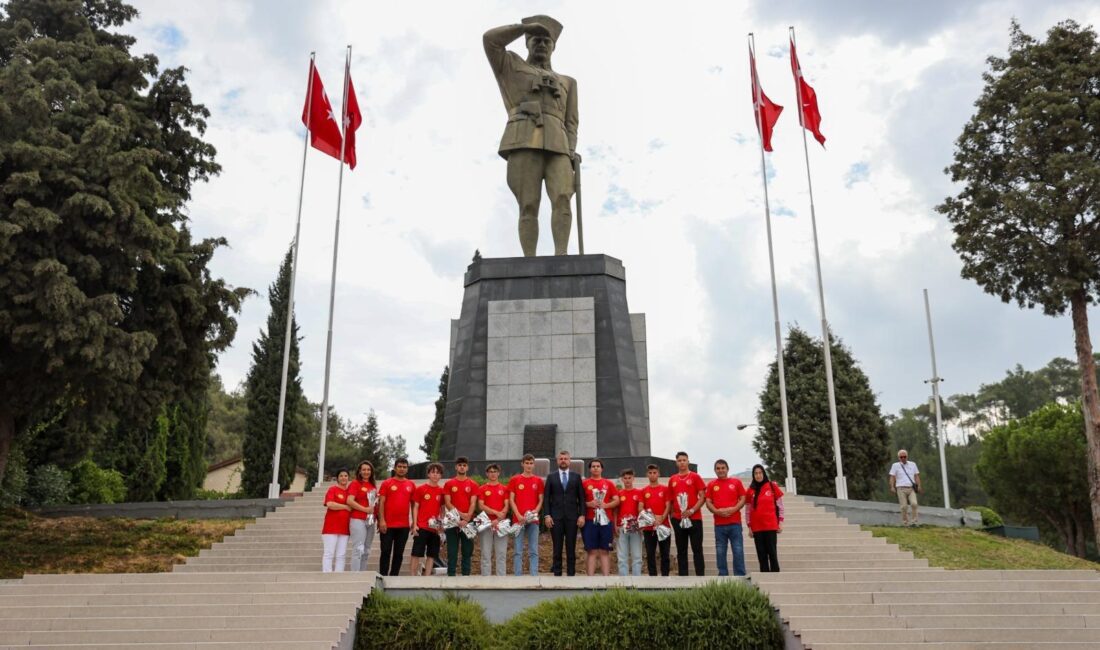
pixel 564 504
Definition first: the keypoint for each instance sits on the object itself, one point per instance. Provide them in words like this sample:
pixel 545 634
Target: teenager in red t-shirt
pixel 725 497
pixel 394 506
pixel 460 493
pixel 764 510
pixel 525 493
pixel 687 482
pixel 629 545
pixel 492 498
pixel 655 499
pixel 597 538
pixel 363 515
pixel 334 532
pixel 427 502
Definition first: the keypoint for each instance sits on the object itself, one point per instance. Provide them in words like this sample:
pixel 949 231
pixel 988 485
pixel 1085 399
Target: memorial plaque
pixel 539 440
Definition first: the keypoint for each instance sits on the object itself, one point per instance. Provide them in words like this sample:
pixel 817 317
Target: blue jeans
pixel 724 535
pixel 629 547
pixel 531 536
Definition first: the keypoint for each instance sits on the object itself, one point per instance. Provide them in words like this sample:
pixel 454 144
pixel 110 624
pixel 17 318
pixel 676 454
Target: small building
pixel 226 477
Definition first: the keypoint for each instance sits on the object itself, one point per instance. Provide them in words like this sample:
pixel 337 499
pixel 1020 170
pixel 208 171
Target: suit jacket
pixel 562 504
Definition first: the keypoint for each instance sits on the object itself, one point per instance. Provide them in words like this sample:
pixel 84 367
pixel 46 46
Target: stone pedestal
pixel 547 341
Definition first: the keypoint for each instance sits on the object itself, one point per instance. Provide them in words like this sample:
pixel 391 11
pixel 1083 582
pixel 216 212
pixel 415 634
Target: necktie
pixel 564 479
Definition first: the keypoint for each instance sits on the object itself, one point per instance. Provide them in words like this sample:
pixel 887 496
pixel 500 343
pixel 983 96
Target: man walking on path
pixel 905 482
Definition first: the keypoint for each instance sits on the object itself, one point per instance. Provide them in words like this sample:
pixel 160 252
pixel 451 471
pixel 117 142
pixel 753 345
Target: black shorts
pixel 426 540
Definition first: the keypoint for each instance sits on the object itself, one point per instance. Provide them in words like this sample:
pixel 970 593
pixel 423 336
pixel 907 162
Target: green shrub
pixel 990 518
pixel 718 615
pixel 13 489
pixel 215 495
pixel 413 623
pixel 93 484
pixel 49 485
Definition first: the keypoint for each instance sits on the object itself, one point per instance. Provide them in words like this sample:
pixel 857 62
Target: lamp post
pixel 789 484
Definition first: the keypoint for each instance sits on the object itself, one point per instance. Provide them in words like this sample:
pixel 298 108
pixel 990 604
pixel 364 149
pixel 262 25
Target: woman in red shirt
pixel 363 515
pixel 764 511
pixel 334 533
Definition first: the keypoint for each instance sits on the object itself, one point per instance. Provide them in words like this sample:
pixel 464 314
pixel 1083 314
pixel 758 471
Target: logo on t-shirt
pixel 674 483
pixel 427 496
pixel 521 486
pixel 409 488
pixel 340 497
pixel 454 488
pixel 647 495
pixel 363 489
pixel 393 488
pixel 716 488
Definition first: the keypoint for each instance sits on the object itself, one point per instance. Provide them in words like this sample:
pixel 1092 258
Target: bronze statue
pixel 540 139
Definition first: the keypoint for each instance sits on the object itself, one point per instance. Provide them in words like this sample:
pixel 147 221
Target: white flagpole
pixel 758 101
pixel 332 289
pixel 841 481
pixel 273 489
pixel 935 381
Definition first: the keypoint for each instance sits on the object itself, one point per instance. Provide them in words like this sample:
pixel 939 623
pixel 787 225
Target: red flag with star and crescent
pixel 319 118
pixel 765 110
pixel 352 120
pixel 809 117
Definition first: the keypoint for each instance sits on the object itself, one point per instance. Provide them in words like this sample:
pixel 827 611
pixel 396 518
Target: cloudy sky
pixel 672 187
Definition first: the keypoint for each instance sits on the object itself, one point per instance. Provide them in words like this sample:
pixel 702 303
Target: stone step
pixel 171 635
pixel 256 577
pixel 946 597
pixel 55 606
pixel 963 645
pixel 1020 621
pixel 936 609
pixel 951 635
pixel 289 620
pixel 938 575
pixel 321 585
pixel 197 645
pixel 932 586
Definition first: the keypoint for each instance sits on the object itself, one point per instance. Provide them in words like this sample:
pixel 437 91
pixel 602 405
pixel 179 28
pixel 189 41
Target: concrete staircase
pixel 849 590
pixel 259 588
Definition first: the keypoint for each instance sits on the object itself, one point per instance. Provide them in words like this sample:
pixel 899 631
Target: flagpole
pixel 935 381
pixel 332 288
pixel 273 490
pixel 790 483
pixel 841 481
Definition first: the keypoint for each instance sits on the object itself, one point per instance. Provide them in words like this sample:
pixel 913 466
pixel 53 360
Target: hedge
pixel 990 518
pixel 719 615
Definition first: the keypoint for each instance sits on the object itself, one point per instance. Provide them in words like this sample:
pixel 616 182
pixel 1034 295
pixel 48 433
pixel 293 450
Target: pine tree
pixel 863 435
pixel 105 300
pixel 262 394
pixel 430 446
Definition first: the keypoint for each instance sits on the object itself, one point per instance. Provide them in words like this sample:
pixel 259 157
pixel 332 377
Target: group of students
pixel 605 514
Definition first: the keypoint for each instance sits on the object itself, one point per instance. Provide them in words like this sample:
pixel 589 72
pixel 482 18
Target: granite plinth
pixel 589 381
pixel 612 465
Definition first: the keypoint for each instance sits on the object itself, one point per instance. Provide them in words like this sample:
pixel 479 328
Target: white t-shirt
pixel 900 479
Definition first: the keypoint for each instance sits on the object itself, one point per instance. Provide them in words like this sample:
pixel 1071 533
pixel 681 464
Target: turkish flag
pixel 809 117
pixel 766 111
pixel 352 120
pixel 318 117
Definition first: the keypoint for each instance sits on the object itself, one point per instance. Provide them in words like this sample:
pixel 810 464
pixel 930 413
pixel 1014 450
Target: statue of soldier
pixel 540 140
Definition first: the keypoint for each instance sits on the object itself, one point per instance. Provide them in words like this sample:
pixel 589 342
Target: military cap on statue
pixel 546 21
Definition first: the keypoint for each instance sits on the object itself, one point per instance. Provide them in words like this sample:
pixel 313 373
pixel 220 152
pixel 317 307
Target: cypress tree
pixel 863 435
pixel 430 446
pixel 262 395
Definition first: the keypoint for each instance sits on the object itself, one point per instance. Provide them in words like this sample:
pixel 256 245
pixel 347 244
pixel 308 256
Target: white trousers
pixel 335 554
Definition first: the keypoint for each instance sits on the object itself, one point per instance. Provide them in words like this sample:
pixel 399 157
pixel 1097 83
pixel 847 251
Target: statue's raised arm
pixel 540 137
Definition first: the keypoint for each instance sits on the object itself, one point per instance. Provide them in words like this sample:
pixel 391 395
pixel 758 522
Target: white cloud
pixel 669 142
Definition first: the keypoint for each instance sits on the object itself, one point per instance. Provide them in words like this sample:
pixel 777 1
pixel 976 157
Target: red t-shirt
pixel 655 499
pixel 630 502
pixel 359 492
pixel 526 490
pixel 430 499
pixel 336 521
pixel 494 497
pixel 591 484
pixel 725 493
pixel 398 494
pixel 763 516
pixel 691 484
pixel 460 491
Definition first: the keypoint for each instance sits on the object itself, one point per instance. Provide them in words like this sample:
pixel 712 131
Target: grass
pixel 33 544
pixel 960 548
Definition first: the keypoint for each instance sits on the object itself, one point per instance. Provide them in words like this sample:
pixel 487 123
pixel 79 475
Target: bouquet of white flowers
pixel 646 518
pixel 601 514
pixel 682 501
pixel 663 532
